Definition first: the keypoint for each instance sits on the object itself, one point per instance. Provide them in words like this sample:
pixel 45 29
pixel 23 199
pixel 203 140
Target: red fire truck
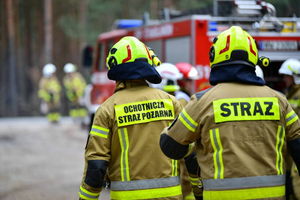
pixel 188 39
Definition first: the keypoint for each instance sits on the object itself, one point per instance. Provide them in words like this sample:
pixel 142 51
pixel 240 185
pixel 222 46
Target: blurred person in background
pixel 75 85
pixel 190 181
pixel 50 93
pixel 187 82
pixel 290 69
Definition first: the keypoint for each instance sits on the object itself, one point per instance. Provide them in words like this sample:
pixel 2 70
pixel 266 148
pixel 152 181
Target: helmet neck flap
pixel 238 73
pixel 134 71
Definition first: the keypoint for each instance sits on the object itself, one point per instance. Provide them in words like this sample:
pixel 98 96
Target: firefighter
pixel 74 84
pixel 290 70
pixel 190 182
pixel 190 74
pixel 50 92
pixel 242 128
pixel 123 140
pixel 170 76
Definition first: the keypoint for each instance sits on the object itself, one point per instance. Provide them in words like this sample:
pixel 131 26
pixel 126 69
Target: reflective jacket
pixel 293 96
pixel 124 139
pixel 75 85
pixel 242 132
pixel 49 90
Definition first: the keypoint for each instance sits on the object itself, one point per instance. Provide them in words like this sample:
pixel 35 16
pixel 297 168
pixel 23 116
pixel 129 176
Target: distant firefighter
pixel 49 92
pixel 74 84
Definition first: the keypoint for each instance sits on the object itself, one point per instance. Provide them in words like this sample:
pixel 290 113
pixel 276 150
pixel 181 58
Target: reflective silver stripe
pixel 245 182
pixel 291 117
pixel 99 131
pixel 187 121
pixel 88 196
pixel 145 184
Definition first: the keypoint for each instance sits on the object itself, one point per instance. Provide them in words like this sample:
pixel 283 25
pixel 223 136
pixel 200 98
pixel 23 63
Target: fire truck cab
pixel 188 39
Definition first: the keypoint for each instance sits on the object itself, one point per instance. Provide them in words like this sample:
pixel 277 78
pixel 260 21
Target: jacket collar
pixel 130 84
pixel 235 73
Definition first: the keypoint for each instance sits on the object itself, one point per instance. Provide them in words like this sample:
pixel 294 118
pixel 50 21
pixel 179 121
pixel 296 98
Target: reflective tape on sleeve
pixel 85 194
pixel 187 121
pixel 291 117
pixel 195 181
pixel 99 131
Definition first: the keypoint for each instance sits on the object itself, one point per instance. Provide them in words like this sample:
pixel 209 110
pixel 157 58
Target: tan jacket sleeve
pixel 97 155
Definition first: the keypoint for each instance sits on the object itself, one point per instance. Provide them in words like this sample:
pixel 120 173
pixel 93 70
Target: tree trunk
pixel 12 92
pixel 48 31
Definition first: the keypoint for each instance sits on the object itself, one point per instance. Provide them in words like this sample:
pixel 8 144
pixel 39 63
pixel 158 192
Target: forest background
pixel 36 32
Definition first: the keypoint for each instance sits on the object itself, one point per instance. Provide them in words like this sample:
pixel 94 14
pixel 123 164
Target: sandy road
pixel 41 161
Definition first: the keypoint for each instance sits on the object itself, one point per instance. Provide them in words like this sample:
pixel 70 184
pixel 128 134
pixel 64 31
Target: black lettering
pixel 269 108
pixel 161 113
pixel 162 105
pixel 224 108
pixel 235 105
pixel 257 109
pixel 129 118
pixel 140 107
pixel 131 108
pixel 245 108
pixel 125 109
pixel 120 119
pixel 138 116
pixel 152 114
pixel 134 117
pixel 125 118
pixel 148 106
pixel 143 115
pixel 170 114
pixel 155 105
pixel 135 108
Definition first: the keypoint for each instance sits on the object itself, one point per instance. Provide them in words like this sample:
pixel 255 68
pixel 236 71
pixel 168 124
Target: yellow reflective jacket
pixel 293 96
pixel 241 133
pixel 75 85
pixel 125 136
pixel 49 90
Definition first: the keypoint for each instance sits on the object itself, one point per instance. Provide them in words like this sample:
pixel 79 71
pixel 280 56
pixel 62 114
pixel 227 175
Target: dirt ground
pixel 41 161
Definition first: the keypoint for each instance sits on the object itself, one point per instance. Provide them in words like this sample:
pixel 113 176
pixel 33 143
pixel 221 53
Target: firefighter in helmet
pixel 170 76
pixel 74 84
pixel 123 140
pixel 290 69
pixel 190 74
pixel 242 128
pixel 190 181
pixel 50 93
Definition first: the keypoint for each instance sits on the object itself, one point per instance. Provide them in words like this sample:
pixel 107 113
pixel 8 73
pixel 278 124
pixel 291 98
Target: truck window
pixel 178 50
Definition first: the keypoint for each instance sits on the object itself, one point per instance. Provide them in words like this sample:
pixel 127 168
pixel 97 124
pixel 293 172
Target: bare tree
pixel 48 30
pixel 12 92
